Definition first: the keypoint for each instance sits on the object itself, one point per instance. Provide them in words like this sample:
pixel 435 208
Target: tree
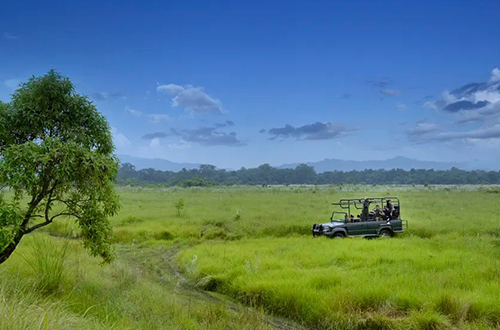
pixel 305 174
pixel 56 152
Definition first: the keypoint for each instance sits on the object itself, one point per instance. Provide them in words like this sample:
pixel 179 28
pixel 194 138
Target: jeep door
pixel 372 227
pixel 356 228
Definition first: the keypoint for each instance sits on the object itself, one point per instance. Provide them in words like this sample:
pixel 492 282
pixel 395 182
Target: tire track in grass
pixel 162 263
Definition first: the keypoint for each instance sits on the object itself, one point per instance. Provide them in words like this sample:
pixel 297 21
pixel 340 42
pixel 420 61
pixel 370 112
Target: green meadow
pixel 244 258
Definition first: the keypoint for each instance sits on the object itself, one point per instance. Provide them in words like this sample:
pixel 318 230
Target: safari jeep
pixel 371 222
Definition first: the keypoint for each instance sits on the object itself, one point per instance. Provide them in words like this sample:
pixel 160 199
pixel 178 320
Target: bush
pixel 179 205
pixel 164 235
pixel 130 220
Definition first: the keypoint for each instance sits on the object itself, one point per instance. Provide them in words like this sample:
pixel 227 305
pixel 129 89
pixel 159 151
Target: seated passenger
pixel 388 209
pixel 379 215
pixel 395 213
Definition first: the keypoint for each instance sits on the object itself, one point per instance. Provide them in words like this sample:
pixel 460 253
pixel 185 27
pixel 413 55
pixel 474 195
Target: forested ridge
pixel 207 175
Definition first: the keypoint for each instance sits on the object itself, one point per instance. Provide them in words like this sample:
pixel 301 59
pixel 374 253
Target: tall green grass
pixel 311 280
pixel 21 308
pixel 254 244
pixel 47 259
pixel 210 213
pixel 443 272
pixel 136 291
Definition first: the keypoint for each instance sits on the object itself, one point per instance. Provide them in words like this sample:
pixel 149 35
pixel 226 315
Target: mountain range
pixel 156 163
pixel 320 166
pixel 388 164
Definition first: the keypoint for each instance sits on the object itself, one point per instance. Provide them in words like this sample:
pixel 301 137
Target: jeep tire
pixel 385 233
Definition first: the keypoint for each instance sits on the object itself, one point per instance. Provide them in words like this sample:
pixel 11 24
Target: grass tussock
pixel 47 259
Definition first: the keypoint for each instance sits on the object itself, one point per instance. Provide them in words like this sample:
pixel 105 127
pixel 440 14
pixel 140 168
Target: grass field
pixel 253 245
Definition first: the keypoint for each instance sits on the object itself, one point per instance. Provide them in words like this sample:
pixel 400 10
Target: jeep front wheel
pixel 338 235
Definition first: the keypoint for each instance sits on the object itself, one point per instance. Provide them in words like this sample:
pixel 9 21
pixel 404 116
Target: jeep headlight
pixel 327 228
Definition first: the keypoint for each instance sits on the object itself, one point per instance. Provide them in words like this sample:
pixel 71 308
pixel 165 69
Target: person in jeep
pixel 388 210
pixel 366 205
pixel 379 214
pixel 342 224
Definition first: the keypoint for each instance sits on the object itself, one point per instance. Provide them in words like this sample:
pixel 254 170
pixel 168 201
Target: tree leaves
pixel 56 148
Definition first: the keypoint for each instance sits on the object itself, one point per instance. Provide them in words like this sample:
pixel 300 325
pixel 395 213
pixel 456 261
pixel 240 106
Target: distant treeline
pixel 209 175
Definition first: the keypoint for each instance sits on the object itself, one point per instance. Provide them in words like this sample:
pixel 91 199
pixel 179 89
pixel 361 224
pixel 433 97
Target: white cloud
pixel 488 95
pixel 193 99
pixel 314 131
pixel 495 75
pixel 170 89
pixel 158 118
pixel 421 129
pixel 209 136
pixel 389 92
pixel 480 133
pixel 133 112
pixel 493 143
pixel 104 96
pixel 154 143
pixel 448 98
pixel 478 102
pixel 181 145
pixel 12 84
pixel 120 140
pixel 401 107
pixel 9 36
pixel 489 115
pixel 154 118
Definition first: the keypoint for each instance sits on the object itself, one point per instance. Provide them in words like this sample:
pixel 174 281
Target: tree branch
pixel 49 221
pixel 64 214
pixel 47 205
pixel 72 203
pixel 34 203
pixel 40 225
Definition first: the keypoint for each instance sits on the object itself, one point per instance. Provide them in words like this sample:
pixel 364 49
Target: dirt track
pixel 160 261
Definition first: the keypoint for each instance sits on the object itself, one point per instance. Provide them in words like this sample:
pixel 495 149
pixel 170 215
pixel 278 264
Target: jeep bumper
pixel 317 230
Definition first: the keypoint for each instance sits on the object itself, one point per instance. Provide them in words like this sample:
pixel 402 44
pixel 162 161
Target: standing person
pixel 366 205
pixel 388 210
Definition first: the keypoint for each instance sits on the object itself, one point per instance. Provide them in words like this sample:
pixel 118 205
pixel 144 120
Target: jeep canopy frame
pixel 357 203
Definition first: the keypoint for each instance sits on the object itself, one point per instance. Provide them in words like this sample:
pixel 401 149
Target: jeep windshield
pixel 338 216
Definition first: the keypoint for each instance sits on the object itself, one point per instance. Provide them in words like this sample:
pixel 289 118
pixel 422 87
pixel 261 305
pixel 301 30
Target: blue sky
pixel 242 83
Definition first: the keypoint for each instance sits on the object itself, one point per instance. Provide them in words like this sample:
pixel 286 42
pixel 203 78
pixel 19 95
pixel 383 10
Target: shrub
pixel 179 205
pixel 130 220
pixel 164 235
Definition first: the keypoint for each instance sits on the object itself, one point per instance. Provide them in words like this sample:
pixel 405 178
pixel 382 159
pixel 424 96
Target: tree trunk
pixel 5 254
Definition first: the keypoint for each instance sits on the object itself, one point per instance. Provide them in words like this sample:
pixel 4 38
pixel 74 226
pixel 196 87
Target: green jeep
pixel 382 220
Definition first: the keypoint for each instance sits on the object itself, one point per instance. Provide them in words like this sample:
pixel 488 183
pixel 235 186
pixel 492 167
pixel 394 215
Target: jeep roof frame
pixel 347 203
